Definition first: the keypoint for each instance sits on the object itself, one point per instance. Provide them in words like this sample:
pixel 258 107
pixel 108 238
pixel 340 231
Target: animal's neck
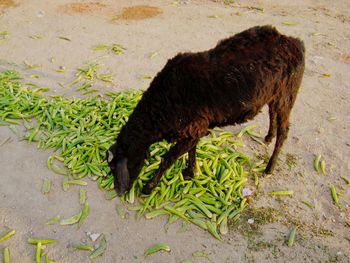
pixel 136 136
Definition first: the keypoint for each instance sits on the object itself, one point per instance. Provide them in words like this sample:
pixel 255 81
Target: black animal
pixel 194 92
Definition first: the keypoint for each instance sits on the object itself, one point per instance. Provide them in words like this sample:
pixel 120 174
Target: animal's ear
pixel 109 156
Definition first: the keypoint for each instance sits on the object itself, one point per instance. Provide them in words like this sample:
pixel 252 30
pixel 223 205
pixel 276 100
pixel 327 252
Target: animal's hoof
pixel 147 189
pixel 187 174
pixel 268 170
pixel 268 139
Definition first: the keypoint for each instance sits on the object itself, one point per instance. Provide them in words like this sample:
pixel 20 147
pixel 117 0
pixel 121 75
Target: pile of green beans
pixel 81 130
pixel 212 197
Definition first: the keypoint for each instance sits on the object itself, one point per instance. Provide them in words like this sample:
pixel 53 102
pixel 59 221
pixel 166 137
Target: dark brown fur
pixel 194 92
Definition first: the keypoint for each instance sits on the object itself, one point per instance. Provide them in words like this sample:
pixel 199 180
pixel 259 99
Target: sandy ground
pixel 320 125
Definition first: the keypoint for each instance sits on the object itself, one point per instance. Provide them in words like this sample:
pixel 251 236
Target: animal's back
pixel 253 59
pixel 227 84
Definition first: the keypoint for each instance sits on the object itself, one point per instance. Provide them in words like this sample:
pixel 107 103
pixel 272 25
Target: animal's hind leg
pixel 171 156
pixel 283 109
pixel 191 165
pixel 282 133
pixel 273 123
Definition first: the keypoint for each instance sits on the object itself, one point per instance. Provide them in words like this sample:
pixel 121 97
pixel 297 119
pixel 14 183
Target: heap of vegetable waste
pixel 81 130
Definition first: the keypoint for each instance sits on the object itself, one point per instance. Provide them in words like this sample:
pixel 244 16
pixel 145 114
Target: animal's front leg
pixel 174 153
pixel 191 165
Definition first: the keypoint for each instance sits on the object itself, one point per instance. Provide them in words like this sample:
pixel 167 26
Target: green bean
pixel 234 214
pixel 7 255
pixel 157 248
pixel 292 237
pixel 346 180
pixel 213 209
pixel 173 180
pixel 201 254
pixel 90 91
pixel 281 193
pixel 76 182
pixel 223 226
pixel 307 203
pixel 317 162
pixel 181 202
pixel 335 196
pixel 38 253
pixel 65 186
pixel 207 169
pixel 199 222
pixel 213 230
pixel 72 220
pixel 46 187
pixel 175 212
pixel 246 129
pixel 53 220
pixel 243 203
pixel 35 241
pixel 7 236
pixel 323 166
pixel 100 249
pixel 197 202
pixel 57 170
pixel 84 214
pixel 226 213
pixel 85 247
pixel 100 47
pixel 82 196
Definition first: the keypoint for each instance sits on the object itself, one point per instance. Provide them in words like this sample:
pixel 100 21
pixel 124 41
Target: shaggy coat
pixel 194 92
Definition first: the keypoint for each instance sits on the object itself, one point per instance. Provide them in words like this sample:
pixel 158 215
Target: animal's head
pixel 119 168
pixel 124 169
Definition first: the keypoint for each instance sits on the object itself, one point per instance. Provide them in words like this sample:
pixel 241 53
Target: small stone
pixel 246 192
pixel 250 221
pixel 40 14
pixel 93 236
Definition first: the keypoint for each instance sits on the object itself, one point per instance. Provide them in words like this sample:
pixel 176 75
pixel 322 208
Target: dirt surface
pixel 79 8
pixel 4 4
pixel 46 34
pixel 139 12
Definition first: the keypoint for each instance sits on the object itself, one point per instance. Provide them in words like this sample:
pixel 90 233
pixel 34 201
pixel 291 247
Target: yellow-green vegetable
pixel 202 254
pixel 292 237
pixel 281 193
pixel 35 241
pixel 85 247
pixel 317 162
pixel 72 220
pixel 157 248
pixel 84 214
pixel 213 229
pixel 7 255
pixel 7 236
pixel 335 196
pixel 53 220
pixel 323 166
pixel 38 253
pixel 100 249
pixel 46 187
pixel 82 196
